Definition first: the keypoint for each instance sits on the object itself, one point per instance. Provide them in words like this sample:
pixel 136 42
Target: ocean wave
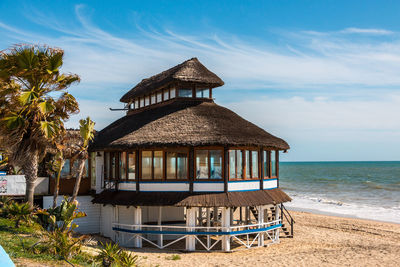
pixel 376 186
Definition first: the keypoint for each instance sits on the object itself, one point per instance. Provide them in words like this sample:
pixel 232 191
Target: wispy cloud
pixel 367 31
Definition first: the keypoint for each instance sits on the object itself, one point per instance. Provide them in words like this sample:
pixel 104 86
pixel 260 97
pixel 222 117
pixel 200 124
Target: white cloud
pixel 367 31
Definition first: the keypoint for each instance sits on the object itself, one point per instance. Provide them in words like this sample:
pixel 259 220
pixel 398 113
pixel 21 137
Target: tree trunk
pixel 57 187
pixel 78 179
pixel 30 169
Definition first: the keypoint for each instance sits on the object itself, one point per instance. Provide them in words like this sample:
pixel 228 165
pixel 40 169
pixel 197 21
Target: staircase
pixel 287 219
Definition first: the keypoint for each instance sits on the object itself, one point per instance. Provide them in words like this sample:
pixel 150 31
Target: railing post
pixel 261 225
pixel 190 222
pixel 137 220
pixel 226 226
pixel 277 218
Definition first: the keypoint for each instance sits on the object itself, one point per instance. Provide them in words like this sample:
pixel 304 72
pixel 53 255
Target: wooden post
pixel 226 169
pixel 261 221
pixel 159 222
pixel 277 217
pixel 116 220
pixel 215 215
pixel 247 215
pixel 226 224
pixel 191 169
pixel 190 222
pixel 137 220
pixel 137 162
pixel 208 225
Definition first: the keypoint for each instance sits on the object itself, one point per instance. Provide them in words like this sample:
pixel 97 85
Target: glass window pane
pixel 141 102
pixel 153 99
pixel 136 104
pixel 166 95
pixel 265 164
pixel 86 169
pixel 172 93
pixel 254 162
pixel 132 166
pixel 232 164
pixel 171 165
pixel 107 165
pixel 182 166
pixel 147 101
pixel 202 92
pixel 202 164
pixel 122 165
pixel 215 164
pixel 158 164
pixel 113 166
pixel 273 163
pixel 185 92
pixel 65 171
pixel 146 164
pixel 159 97
pixel 239 164
pixel 248 168
pixel 93 168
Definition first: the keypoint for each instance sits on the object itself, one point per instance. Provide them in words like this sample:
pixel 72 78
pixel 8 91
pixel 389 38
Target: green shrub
pixel 113 255
pixel 19 212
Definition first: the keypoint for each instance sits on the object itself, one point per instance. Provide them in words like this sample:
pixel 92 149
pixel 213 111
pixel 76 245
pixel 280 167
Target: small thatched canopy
pixel 189 71
pixel 186 199
pixel 184 123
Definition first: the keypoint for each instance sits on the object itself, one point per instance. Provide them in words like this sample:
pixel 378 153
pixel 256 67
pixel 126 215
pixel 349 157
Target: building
pixel 180 170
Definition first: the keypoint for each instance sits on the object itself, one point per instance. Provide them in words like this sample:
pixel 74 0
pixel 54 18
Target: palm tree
pixel 86 130
pixel 34 104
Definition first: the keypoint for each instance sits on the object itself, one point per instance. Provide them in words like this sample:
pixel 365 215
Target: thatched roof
pixel 189 71
pixel 186 199
pixel 184 122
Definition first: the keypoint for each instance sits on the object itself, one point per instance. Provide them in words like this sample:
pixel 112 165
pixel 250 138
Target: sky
pixel 322 75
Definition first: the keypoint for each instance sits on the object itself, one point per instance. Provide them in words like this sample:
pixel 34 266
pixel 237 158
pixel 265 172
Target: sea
pixel 367 190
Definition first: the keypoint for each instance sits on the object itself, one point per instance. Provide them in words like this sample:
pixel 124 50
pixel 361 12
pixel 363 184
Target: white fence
pixel 15 185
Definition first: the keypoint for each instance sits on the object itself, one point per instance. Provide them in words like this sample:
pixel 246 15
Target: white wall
pixel 88 224
pixel 15 185
pixel 99 171
pixel 106 220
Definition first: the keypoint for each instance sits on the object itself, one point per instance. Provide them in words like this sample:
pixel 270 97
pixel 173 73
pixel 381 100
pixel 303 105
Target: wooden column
pixel 191 169
pixel 159 222
pixel 261 152
pixel 190 222
pixel 137 172
pixel 226 169
pixel 137 220
pixel 277 166
pixel 226 224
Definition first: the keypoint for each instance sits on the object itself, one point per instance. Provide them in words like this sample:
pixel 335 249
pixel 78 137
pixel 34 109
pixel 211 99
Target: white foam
pixel 321 205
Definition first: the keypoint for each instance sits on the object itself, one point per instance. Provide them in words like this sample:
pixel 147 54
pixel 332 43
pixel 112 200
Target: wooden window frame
pixel 244 166
pixel 209 164
pixel 164 167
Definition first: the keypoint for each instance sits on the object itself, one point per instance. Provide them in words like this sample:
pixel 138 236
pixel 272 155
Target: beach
pixel 319 240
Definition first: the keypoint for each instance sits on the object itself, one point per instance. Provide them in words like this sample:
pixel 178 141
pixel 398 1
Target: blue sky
pixel 323 75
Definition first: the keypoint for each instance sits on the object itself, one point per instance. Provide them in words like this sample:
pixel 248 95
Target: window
pixel 92 158
pixel 113 173
pixel 247 164
pixel 136 103
pixel 122 165
pixel 166 94
pixel 141 102
pixel 146 165
pixel 106 165
pixel 131 165
pixel 235 164
pixel 209 164
pixel 66 170
pixel 202 92
pixel 147 101
pixel 273 163
pixel 265 164
pixel 153 99
pixel 216 164
pixel 159 97
pixel 254 164
pixel 177 165
pixel 158 165
pixel 172 93
pixel 202 164
pixel 185 92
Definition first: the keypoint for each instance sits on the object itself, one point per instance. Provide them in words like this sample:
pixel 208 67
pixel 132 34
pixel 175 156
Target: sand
pixel 319 240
